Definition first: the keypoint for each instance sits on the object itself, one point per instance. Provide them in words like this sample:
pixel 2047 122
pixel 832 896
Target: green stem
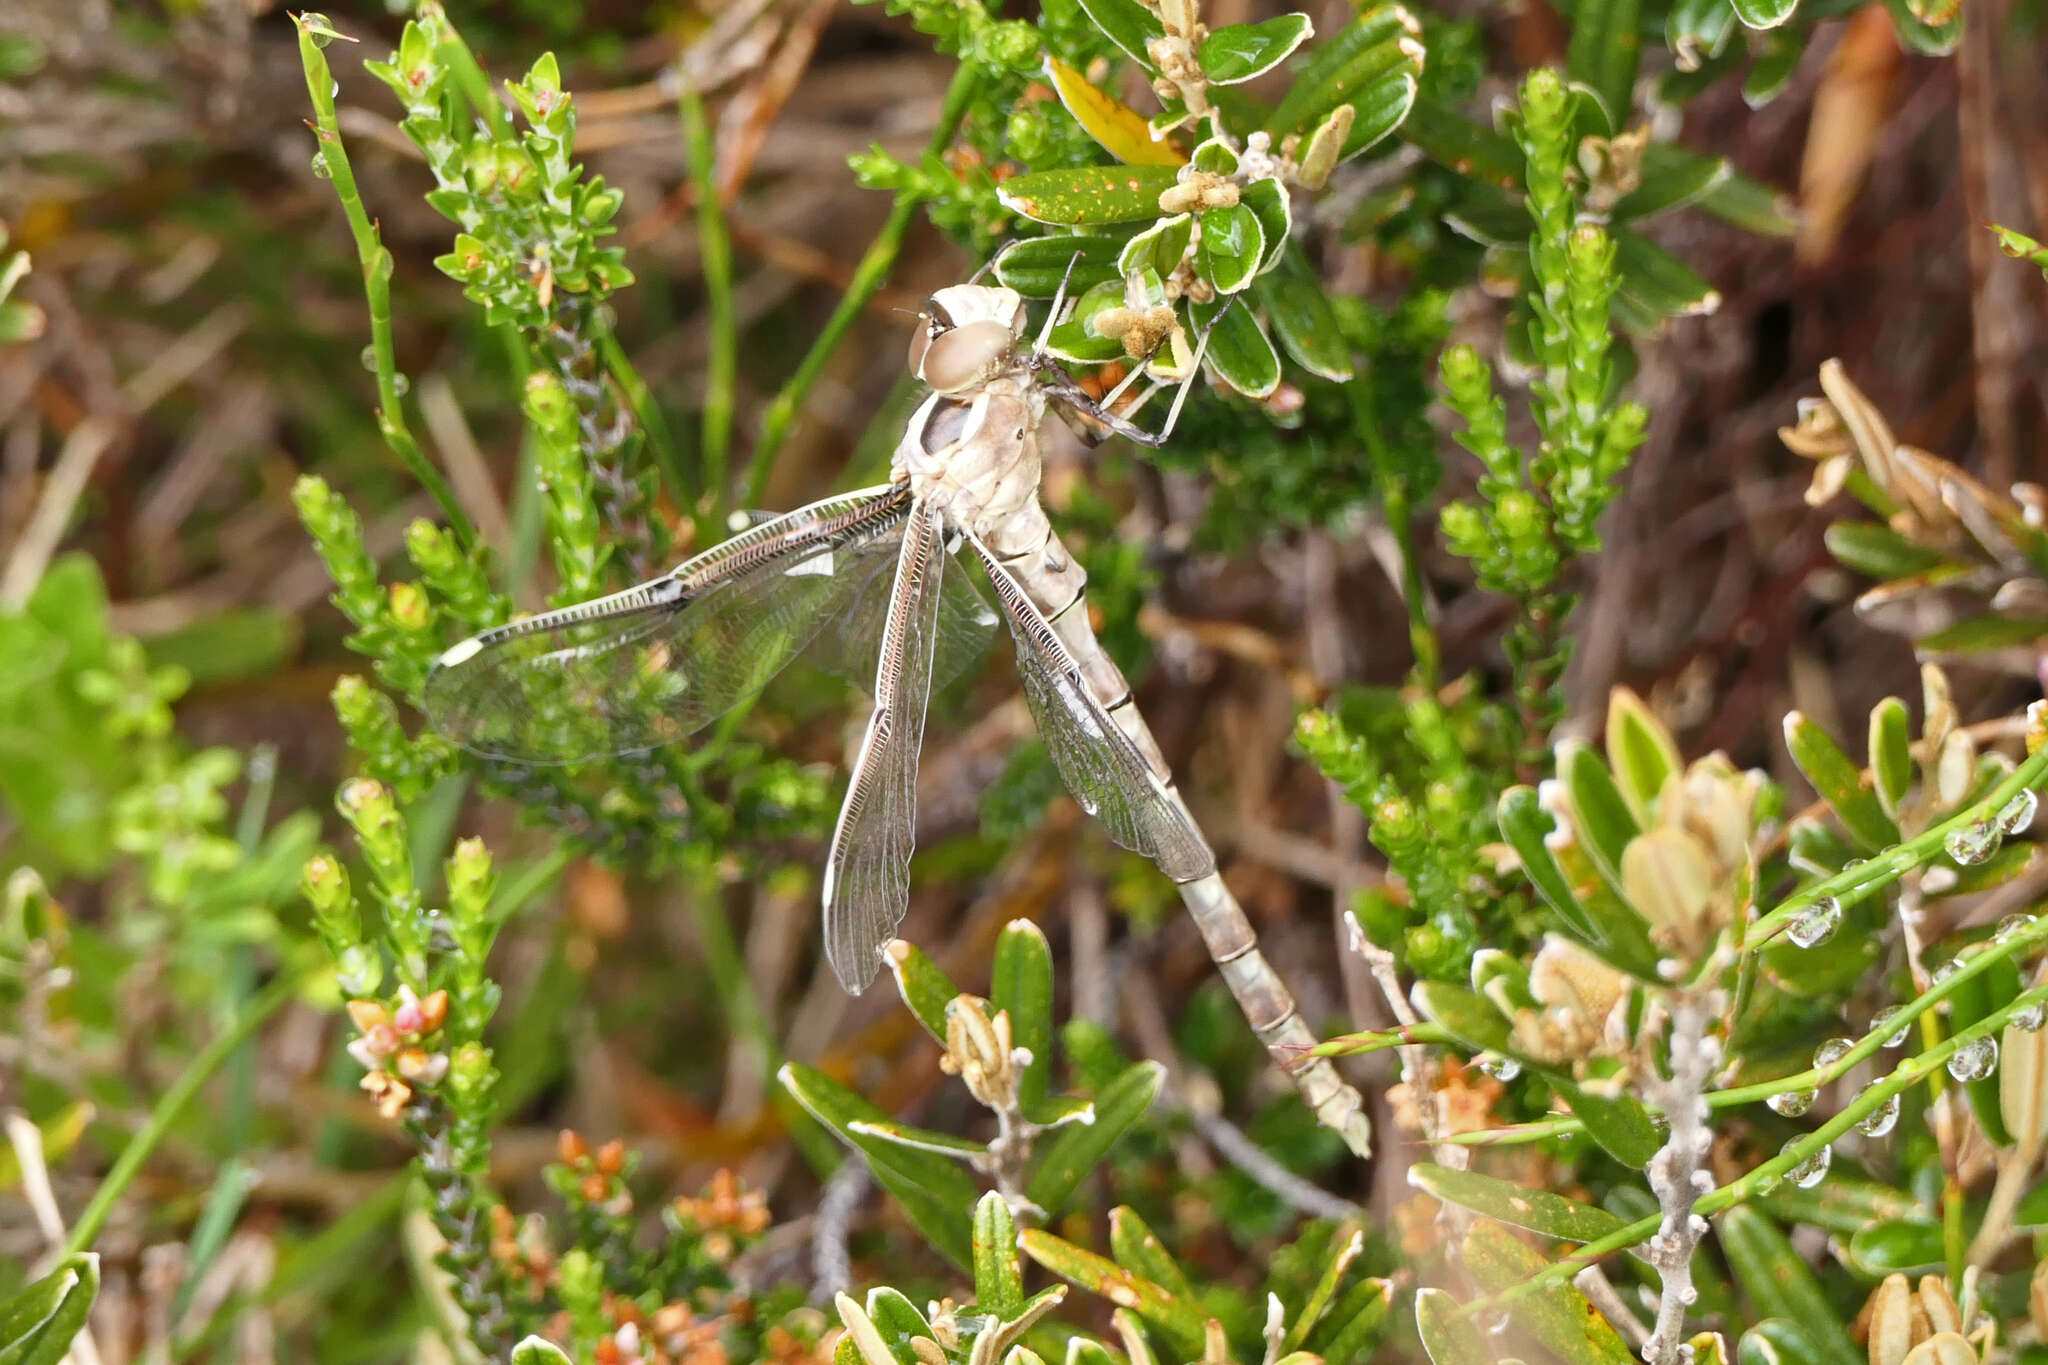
pixel 377 267
pixel 196 1073
pixel 868 276
pixel 1854 884
pixel 1768 1174
pixel 714 247
pixel 1394 498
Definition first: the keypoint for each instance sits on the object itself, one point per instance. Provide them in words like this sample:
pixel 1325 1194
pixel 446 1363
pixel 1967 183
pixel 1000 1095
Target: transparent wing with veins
pixel 657 662
pixel 867 876
pixel 1100 764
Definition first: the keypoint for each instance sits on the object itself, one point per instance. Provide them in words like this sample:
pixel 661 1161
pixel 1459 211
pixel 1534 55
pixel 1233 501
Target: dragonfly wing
pixel 654 663
pixel 851 646
pixel 1100 764
pixel 867 877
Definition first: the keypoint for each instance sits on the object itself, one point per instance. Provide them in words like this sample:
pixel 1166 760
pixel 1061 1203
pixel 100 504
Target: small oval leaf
pixel 1240 354
pixel 1034 266
pixel 1122 131
pixel 1079 195
pixel 1239 52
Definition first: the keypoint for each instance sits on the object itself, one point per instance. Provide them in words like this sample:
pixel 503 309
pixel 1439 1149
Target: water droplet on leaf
pixel 1883 1025
pixel 1974 1061
pixel 321 170
pixel 1832 1051
pixel 2011 925
pixel 1816 924
pixel 2029 1018
pixel 1499 1067
pixel 317 28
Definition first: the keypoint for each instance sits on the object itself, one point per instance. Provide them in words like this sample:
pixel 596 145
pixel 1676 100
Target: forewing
pixel 654 663
pixel 1100 764
pixel 867 876
pixel 851 646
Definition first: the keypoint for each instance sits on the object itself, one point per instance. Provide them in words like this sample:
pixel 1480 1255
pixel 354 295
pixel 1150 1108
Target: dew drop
pixel 321 170
pixel 1791 1103
pixel 1973 843
pixel 1500 1067
pixel 2029 1018
pixel 1882 1025
pixel 1816 924
pixel 1879 1121
pixel 2017 814
pixel 369 358
pixel 1946 970
pixel 317 28
pixel 1832 1051
pixel 1974 1061
pixel 401 385
pixel 2010 925
pixel 1811 1171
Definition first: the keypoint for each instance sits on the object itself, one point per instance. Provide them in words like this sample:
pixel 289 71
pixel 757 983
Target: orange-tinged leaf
pixel 1121 130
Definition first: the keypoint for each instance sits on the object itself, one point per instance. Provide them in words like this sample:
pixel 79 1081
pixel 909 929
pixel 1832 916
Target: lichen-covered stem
pixel 1678 1173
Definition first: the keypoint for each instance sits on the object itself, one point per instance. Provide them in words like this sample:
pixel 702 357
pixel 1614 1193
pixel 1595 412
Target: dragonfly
pixel 872 585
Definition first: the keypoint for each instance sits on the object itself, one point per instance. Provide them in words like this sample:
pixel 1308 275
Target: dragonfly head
pixel 966 333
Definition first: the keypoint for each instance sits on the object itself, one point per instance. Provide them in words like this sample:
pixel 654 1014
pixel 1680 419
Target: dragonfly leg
pixel 1098 409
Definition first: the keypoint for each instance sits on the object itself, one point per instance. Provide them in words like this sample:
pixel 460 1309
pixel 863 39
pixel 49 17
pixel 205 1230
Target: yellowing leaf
pixel 1121 130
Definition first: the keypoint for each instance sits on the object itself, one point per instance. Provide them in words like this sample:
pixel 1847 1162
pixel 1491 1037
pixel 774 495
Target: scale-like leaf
pixel 1076 196
pixel 1080 1147
pixel 1557 1315
pixel 1553 1215
pixel 1122 131
pixel 1239 52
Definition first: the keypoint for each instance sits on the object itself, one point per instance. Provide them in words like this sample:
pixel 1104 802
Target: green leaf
pixel 1604 51
pixel 1215 156
pixel 1916 35
pixel 1839 782
pixel 1641 750
pixel 538 1350
pixel 1672 177
pixel 1557 1315
pixel 37 1325
pixel 924 988
pixel 1538 1210
pixel 1268 201
pixel 1301 318
pixel 1842 1203
pixel 1447 1334
pixel 998 1274
pixel 1231 248
pixel 1657 284
pixel 1979 633
pixel 899 1323
pixel 1695 30
pixel 1240 353
pixel 1320 1299
pixel 1022 984
pixel 1772 67
pixel 1137 1248
pixel 1751 206
pixel 1871 547
pixel 1891 753
pixel 1601 817
pixel 1887 1248
pixel 1523 823
pixel 918 1139
pixel 1780 1284
pixel 1468 1016
pixel 1034 266
pixel 1371 64
pixel 1470 149
pixel 1974 1000
pixel 1777 1341
pixel 935 1193
pixel 1351 1325
pixel 1075 341
pixel 1078 195
pixel 1080 1147
pixel 1618 1122
pixel 1179 1321
pixel 1159 247
pixel 1764 13
pixel 1239 52
pixel 1129 25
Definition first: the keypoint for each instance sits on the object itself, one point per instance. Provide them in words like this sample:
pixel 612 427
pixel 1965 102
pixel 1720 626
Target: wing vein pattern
pixel 656 662
pixel 867 876
pixel 1101 766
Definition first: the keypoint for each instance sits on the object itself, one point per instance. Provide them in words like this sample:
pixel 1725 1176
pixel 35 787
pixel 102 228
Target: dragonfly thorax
pixel 974 457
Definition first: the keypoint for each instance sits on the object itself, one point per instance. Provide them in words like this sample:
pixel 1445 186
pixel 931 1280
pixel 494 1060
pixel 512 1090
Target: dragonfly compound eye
pixel 965 356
